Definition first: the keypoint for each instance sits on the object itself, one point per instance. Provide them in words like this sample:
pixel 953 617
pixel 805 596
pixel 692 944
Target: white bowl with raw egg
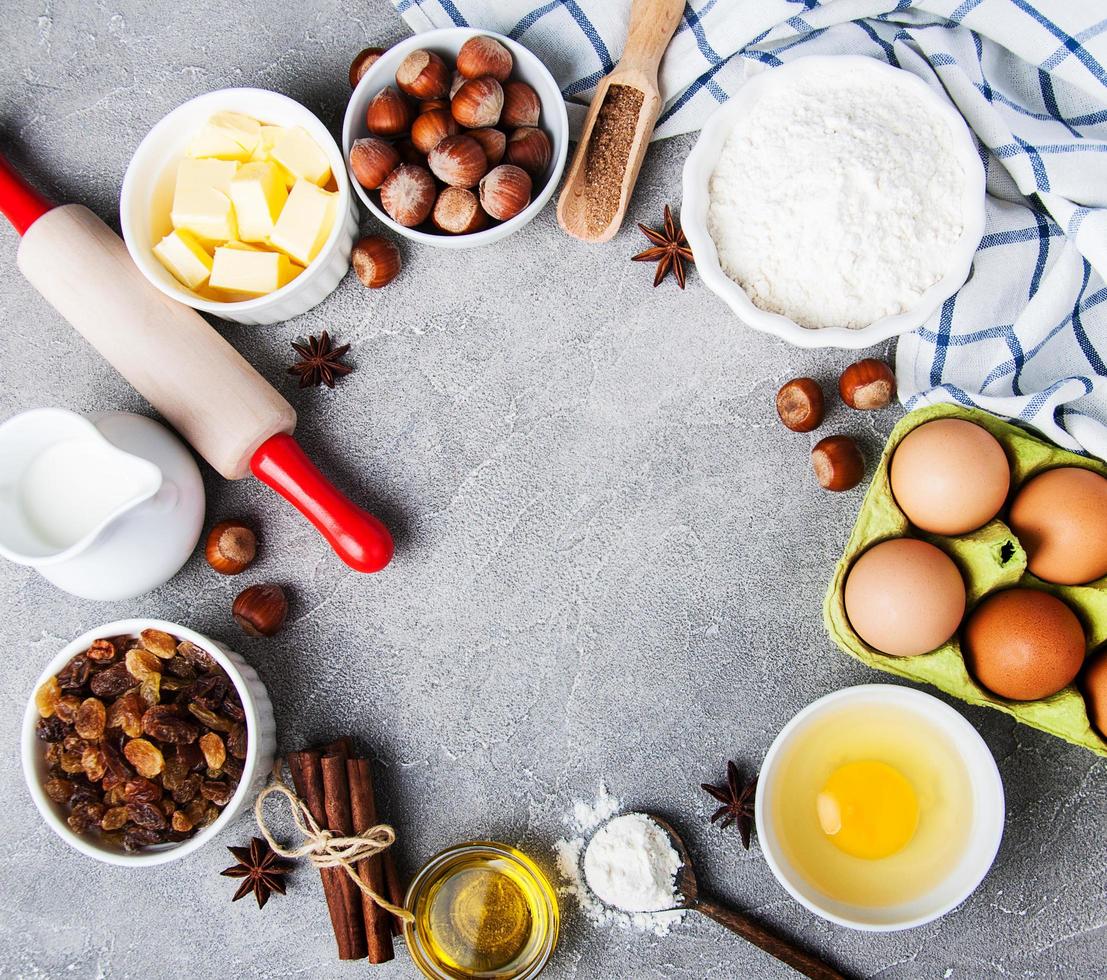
pixel 879 808
pixel 148 198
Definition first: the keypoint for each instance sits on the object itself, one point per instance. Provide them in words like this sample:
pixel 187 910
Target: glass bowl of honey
pixel 484 910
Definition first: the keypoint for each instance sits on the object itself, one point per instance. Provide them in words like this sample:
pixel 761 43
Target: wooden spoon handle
pixel 652 23
pixel 783 949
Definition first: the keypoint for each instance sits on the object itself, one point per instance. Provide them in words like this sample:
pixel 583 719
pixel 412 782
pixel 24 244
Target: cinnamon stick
pixel 363 806
pixel 349 931
pixel 395 889
pixel 336 800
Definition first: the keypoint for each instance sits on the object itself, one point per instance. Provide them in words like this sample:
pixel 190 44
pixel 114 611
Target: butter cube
pixel 264 148
pixel 201 199
pixel 251 271
pixel 258 193
pixel 305 222
pixel 185 258
pixel 300 155
pixel 227 136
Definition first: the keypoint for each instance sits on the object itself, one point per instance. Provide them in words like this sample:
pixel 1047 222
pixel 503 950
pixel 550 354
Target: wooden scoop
pixel 605 168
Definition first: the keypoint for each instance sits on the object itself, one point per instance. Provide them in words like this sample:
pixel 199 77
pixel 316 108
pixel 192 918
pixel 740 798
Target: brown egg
pixel 950 476
pixel 904 597
pixel 1095 691
pixel 1023 644
pixel 1060 518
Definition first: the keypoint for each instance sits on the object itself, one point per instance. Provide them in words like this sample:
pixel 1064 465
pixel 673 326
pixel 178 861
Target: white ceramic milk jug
pixel 106 507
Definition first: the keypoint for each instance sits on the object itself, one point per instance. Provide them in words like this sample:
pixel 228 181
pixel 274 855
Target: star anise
pixel 261 870
pixel 737 798
pixel 320 361
pixel 670 250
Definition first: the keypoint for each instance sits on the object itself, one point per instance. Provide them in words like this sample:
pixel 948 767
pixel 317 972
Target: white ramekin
pixel 447 41
pixel 701 164
pixel 260 749
pixel 987 811
pixel 147 196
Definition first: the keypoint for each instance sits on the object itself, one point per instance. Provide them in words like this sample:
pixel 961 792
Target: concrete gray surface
pixel 610 567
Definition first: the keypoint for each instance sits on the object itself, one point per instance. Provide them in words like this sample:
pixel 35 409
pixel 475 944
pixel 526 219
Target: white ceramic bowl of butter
pixel 700 166
pixel 147 196
pixel 447 41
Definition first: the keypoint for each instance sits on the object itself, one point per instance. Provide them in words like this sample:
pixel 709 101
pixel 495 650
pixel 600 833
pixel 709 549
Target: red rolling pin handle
pixel 360 540
pixel 20 203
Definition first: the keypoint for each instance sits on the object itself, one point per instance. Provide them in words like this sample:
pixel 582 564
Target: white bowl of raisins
pixel 143 739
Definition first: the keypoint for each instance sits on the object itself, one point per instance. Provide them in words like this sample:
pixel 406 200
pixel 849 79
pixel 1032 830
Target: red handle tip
pixel 20 203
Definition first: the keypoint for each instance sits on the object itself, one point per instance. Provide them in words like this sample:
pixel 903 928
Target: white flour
pixel 837 199
pixel 630 868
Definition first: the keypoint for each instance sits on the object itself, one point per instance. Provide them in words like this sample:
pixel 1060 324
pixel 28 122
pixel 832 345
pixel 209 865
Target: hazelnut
pixel 430 127
pixel 458 161
pixel 423 75
pixel 492 141
pixel 230 547
pixel 867 384
pixel 372 160
pixel 376 261
pixel 408 195
pixel 458 212
pixel 838 463
pixel 800 405
pixel 428 105
pixel 505 191
pixel 455 83
pixel 409 152
pixel 478 103
pixel 530 149
pixel 521 105
pixel 485 56
pixel 261 609
pixel 388 113
pixel 363 61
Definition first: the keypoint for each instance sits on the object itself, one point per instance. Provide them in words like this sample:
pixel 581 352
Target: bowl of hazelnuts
pixel 455 137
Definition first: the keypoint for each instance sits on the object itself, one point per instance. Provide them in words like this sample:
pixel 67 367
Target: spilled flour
pixel 630 862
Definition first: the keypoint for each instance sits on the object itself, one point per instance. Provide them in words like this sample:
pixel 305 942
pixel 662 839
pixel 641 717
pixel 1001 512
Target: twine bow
pixel 324 848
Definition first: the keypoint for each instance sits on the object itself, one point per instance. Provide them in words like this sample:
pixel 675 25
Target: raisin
pixel 180 822
pixel 210 815
pixel 114 818
pixel 180 667
pixel 210 718
pixel 174 773
pixel 114 797
pixel 209 692
pixel 83 792
pixel 159 643
pixel 74 675
pixel 59 790
pixel 91 719
pixel 85 817
pixel 116 771
pixel 66 709
pixel 142 663
pixel 190 755
pixel 150 690
pixel 51 729
pixel 217 792
pixel 140 790
pixel 72 762
pixel 163 722
pixel 136 838
pixel 198 657
pixel 146 815
pixel 126 713
pixel 92 761
pixel 171 685
pixel 102 651
pixel 47 697
pixel 144 756
pixel 215 752
pixel 233 768
pixel 187 790
pixel 236 741
pixel 112 682
pixel 233 710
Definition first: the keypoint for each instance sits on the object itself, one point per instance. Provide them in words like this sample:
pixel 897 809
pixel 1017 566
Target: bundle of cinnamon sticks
pixel 338 790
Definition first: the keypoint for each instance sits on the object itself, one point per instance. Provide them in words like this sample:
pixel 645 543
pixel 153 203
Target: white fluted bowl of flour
pixel 834 202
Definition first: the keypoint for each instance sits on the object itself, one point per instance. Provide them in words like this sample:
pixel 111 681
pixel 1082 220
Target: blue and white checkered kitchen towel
pixel 1026 337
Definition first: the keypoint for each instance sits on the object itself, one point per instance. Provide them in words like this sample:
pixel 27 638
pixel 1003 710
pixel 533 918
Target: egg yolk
pixel 868 809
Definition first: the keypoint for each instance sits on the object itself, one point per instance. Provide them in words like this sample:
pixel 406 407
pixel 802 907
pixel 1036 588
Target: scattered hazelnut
pixel 431 127
pixel 838 463
pixel 376 260
pixel 363 61
pixel 372 160
pixel 530 149
pixel 478 103
pixel 388 113
pixel 800 405
pixel 458 161
pixel 423 75
pixel 230 547
pixel 408 194
pixel 458 212
pixel 492 141
pixel 261 609
pixel 867 384
pixel 505 191
pixel 481 56
pixel 521 105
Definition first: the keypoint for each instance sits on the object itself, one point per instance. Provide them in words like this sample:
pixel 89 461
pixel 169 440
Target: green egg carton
pixel 990 559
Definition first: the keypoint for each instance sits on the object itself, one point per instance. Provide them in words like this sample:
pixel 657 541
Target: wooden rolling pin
pixel 229 413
